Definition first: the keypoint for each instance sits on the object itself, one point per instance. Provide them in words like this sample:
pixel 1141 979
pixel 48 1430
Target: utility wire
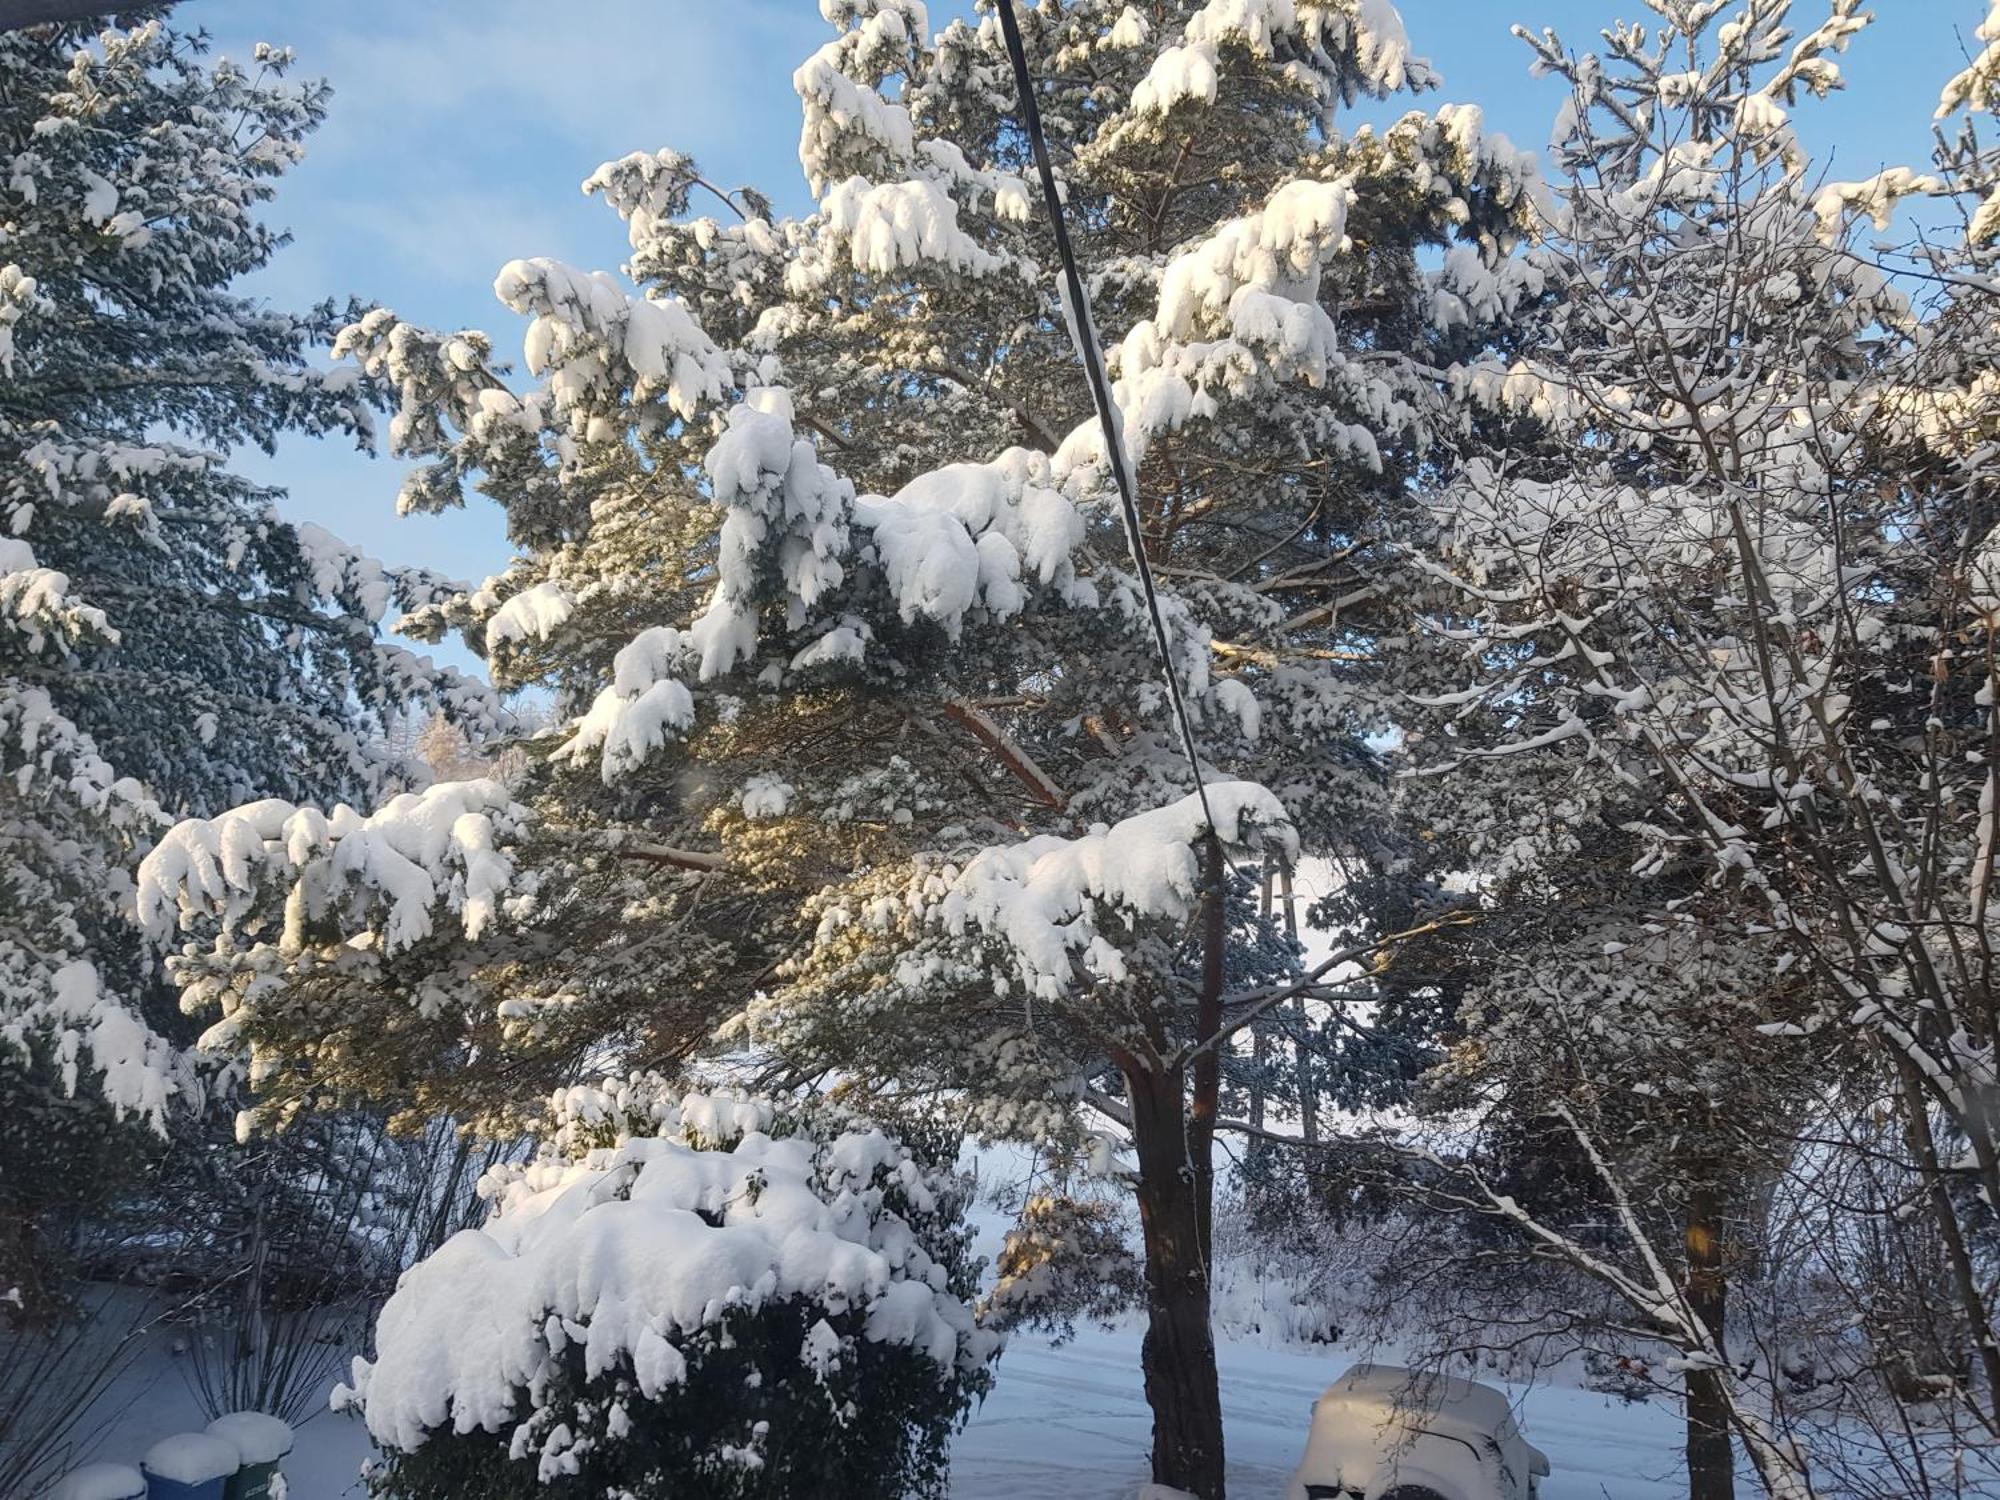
pixel 1084 329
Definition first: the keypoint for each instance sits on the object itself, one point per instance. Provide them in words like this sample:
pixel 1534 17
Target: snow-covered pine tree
pixel 168 645
pixel 890 781
pixel 1734 597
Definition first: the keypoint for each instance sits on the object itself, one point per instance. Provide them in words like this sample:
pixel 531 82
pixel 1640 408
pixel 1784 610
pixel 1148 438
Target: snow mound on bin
pixel 258 1436
pixel 100 1482
pixel 637 1247
pixel 191 1458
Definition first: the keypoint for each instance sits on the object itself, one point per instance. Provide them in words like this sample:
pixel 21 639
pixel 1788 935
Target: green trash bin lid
pixel 258 1436
pixel 100 1482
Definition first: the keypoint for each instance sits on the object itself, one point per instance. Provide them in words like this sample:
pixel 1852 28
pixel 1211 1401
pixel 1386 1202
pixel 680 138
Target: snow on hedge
pixel 636 1250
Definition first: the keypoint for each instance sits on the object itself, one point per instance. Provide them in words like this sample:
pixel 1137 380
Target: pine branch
pixel 1012 756
pixel 679 859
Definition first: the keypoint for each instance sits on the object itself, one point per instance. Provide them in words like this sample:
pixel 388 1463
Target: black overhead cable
pixel 1084 328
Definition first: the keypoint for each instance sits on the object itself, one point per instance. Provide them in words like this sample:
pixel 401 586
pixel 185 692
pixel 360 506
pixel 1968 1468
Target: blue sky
pixel 460 131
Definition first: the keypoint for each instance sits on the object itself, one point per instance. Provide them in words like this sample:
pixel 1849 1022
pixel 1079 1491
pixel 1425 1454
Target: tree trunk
pixel 1205 1099
pixel 1179 1351
pixel 1260 1038
pixel 1710 1460
pixel 1923 1145
pixel 1308 1089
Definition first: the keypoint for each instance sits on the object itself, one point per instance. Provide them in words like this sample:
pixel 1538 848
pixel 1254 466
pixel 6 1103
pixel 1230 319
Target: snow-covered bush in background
pixel 685 1294
pixel 1066 1259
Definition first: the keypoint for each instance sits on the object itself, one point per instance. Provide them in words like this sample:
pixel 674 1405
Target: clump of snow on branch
pixel 1369 31
pixel 366 585
pixel 589 337
pixel 962 537
pixel 36 602
pixel 53 997
pixel 779 501
pixel 890 226
pixel 839 112
pixel 890 201
pixel 967 540
pixel 767 797
pixel 534 614
pixel 631 718
pixel 1054 903
pixel 418 854
pixel 1236 312
pixel 88 1028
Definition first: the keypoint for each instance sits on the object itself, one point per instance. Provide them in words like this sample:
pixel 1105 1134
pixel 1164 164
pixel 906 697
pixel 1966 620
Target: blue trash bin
pixel 189 1466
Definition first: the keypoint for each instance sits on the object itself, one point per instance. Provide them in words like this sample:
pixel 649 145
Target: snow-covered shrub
pixel 1067 1258
pixel 1278 1290
pixel 685 1294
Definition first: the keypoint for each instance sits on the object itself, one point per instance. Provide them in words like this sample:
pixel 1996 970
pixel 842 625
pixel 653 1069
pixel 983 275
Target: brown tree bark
pixel 1260 1041
pixel 1178 1356
pixel 1308 1095
pixel 1205 1101
pixel 1710 1458
pixel 1923 1146
pixel 1174 1113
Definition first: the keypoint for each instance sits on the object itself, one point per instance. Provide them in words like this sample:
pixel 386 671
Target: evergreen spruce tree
pixel 169 645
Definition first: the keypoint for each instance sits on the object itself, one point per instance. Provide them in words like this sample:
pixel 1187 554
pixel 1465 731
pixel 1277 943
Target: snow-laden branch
pixel 392 871
pixel 1053 905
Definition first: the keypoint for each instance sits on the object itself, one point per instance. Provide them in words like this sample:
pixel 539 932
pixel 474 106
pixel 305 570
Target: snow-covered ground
pixel 1071 1424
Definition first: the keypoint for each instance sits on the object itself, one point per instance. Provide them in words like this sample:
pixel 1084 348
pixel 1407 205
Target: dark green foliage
pixel 771 1403
pixel 63 1156
pixel 169 643
pixel 876 1428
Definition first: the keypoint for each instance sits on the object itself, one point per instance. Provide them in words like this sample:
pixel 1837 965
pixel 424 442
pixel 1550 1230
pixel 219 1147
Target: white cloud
pixel 607 76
